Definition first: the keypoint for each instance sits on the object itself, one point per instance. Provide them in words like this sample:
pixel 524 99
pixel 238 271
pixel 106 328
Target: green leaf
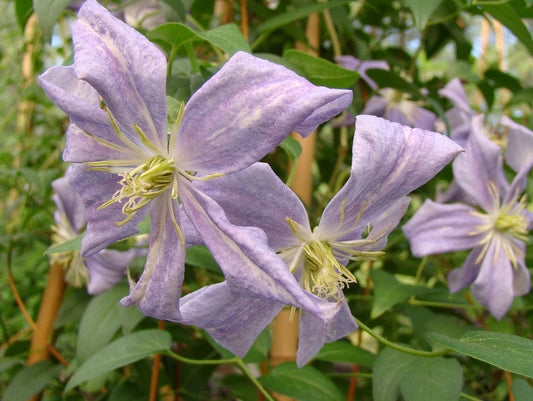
pixel 342 351
pixel 200 256
pixel 305 384
pixel 292 147
pixel 418 378
pixel 320 71
pixel 432 379
pixel 388 372
pixel 100 322
pixel 299 13
pixel 125 350
pixel 30 380
pixel 523 96
pixel 508 16
pixel 67 246
pixel 173 33
pixel 23 9
pixel 506 351
pixel 522 390
pixel 422 10
pixel 388 292
pixel 227 37
pixel 48 11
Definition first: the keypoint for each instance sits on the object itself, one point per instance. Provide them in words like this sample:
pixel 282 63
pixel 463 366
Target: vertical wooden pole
pixel 50 303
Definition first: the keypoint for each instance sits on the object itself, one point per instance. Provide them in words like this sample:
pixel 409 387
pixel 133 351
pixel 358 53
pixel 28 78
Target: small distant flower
pixel 494 224
pixel 351 63
pixel 99 272
pixel 389 161
pixel 128 165
pixel 389 103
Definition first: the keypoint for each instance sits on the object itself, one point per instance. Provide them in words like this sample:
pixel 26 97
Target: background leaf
pixel 305 384
pixel 422 10
pixel 128 349
pixel 418 378
pixel 320 71
pixel 100 322
pixel 30 380
pixel 505 351
pixel 342 351
pixel 509 17
pixel 48 12
pixel 389 292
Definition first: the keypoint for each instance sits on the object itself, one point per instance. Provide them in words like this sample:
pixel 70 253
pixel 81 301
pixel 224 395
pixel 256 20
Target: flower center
pixel 76 273
pixel 323 275
pixel 142 184
pixel 512 224
pixel 507 222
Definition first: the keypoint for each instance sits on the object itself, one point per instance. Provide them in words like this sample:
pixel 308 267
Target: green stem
pixel 439 304
pixel 246 371
pixel 398 347
pixel 420 269
pixel 469 397
pixel 200 361
pixel 364 375
pixel 237 361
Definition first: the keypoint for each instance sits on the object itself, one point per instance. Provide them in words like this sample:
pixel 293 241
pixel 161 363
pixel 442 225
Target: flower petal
pixel 107 268
pixel 455 93
pixel 521 279
pixel 480 164
pixel 250 266
pixel 233 321
pixel 493 287
pixel 96 188
pixel 125 68
pixel 437 228
pixel 389 161
pixel 158 290
pixel 464 276
pixel 519 150
pixel 245 110
pixel 69 202
pixel 268 202
pixel 351 63
pixel 314 333
pixel 82 105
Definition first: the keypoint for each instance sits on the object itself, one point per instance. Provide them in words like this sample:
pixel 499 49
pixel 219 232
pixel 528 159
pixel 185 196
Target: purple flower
pixel 494 224
pixel 388 103
pixel 389 161
pixel 128 165
pixel 351 63
pixel 100 271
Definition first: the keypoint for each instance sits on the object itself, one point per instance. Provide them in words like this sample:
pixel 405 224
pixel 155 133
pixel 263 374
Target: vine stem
pixel 397 347
pixel 235 361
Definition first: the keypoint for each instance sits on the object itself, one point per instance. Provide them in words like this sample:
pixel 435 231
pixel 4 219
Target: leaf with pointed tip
pixel 506 351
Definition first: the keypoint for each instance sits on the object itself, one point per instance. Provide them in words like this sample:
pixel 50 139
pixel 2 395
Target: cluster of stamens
pixel 142 184
pixel 76 272
pixel 323 274
pixel 506 224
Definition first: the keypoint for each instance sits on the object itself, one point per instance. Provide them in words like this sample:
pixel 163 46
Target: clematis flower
pixel 494 225
pixel 126 163
pixel 100 271
pixel 388 103
pixel 389 161
pixel 351 63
